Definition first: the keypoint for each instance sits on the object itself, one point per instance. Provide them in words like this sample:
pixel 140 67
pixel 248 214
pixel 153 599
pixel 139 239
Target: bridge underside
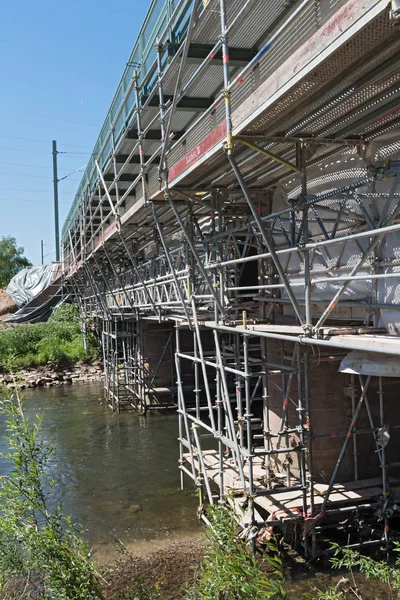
pixel 242 265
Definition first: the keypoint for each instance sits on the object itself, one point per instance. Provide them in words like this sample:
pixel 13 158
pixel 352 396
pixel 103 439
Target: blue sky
pixel 61 64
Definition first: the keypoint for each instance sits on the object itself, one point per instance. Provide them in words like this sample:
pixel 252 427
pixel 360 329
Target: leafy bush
pixel 229 571
pixel 56 342
pixel 347 558
pixel 38 544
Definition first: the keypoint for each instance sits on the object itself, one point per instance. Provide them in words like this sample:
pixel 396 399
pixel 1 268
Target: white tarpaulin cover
pixel 370 363
pixel 343 169
pixel 30 282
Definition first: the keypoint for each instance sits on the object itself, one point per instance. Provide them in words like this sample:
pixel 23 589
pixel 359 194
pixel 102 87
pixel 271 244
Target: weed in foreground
pixel 37 545
pixel 229 571
pixel 371 569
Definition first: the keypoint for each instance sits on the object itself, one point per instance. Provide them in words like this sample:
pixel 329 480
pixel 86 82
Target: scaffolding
pixel 243 259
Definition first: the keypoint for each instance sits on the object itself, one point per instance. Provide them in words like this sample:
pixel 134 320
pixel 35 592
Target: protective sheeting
pixel 30 282
pixel 371 363
pixel 36 314
pixel 330 264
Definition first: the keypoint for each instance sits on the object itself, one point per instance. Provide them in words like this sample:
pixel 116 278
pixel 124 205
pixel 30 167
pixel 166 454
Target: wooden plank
pixel 288 501
pixel 353 485
pixel 244 515
pixel 258 472
pixel 274 508
pixel 341 498
pixel 211 459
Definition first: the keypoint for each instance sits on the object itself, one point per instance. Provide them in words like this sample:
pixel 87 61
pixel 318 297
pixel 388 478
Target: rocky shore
pixel 49 376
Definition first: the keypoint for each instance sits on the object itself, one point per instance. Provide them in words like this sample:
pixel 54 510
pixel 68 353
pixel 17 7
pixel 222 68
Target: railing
pixel 165 19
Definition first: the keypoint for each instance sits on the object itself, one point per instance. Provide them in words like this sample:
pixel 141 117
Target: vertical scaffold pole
pixel 353 423
pixel 385 483
pixel 203 365
pixel 140 135
pixel 227 92
pixel 266 415
pixel 222 421
pixel 182 403
pixel 166 188
pixel 309 448
pixel 248 416
pixel 353 408
pixel 55 186
pixel 300 410
pixel 306 254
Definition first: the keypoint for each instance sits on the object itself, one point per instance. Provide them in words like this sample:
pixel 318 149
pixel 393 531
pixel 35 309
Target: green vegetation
pixel 230 572
pixel 38 547
pixel 57 342
pixel 346 558
pixel 12 259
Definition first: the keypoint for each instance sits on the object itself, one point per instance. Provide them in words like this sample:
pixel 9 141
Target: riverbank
pixel 48 376
pixel 170 570
pixel 173 567
pixel 51 353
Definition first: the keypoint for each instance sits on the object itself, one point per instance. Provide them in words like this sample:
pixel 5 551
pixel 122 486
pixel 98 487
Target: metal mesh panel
pixel 153 180
pixel 389 150
pixel 259 20
pixel 335 4
pixel 385 120
pixel 325 181
pixel 300 29
pixel 205 126
pixel 390 125
pixel 351 52
pixel 357 105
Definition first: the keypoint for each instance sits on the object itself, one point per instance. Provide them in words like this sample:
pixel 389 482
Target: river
pixel 116 474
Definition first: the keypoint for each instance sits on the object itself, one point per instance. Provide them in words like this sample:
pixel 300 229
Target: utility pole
pixel 55 182
pixel 41 250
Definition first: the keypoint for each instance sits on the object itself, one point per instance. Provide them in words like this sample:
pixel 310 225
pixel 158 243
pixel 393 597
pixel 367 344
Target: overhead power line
pixel 31 166
pixel 39 152
pixel 35 176
pixel 32 201
pixel 23 150
pixel 72 173
pixel 33 191
pixel 13 137
pixel 18 112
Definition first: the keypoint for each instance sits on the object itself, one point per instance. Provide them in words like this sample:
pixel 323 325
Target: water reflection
pixel 116 474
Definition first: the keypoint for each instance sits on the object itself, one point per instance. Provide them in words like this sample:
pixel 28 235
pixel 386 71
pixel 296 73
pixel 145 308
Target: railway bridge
pixel 235 240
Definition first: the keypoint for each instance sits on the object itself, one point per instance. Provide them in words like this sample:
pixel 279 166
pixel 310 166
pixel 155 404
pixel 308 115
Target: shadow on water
pixel 117 475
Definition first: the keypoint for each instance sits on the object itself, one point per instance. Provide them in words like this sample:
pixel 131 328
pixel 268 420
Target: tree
pixel 12 259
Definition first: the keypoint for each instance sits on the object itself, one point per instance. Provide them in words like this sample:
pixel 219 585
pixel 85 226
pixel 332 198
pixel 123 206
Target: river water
pixel 117 475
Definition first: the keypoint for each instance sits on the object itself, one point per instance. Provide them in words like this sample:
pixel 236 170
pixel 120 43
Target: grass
pixel 55 343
